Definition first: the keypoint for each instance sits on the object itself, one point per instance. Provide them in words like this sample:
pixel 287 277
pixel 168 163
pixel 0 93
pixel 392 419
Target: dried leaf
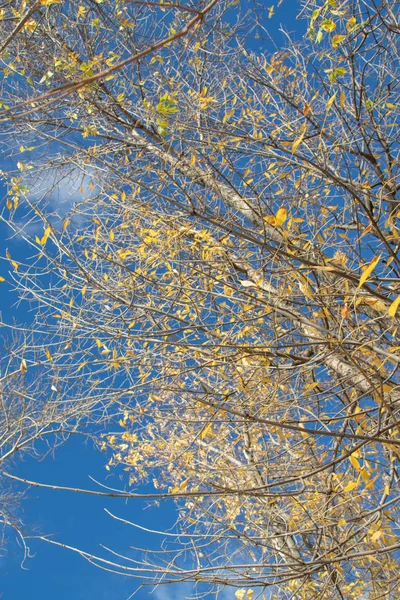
pixel 247 283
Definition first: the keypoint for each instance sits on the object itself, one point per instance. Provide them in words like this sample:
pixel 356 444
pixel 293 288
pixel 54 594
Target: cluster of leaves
pixel 231 282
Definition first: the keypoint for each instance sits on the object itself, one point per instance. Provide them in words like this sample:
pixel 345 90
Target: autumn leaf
pixel 207 429
pixel 368 270
pixel 278 219
pixel 354 462
pixel 374 303
pixel 297 142
pixel 328 25
pixel 247 283
pixel 280 216
pixel 337 39
pixel 242 594
pixel 350 486
pixel 45 237
pixel 394 306
pixel 330 102
pixel 375 536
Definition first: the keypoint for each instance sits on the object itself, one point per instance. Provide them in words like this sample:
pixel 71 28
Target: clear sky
pixel 51 572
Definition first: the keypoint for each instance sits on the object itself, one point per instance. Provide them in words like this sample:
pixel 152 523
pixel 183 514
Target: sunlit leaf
pixel 350 486
pixel 330 102
pixel 368 270
pixel 297 142
pixel 328 25
pixel 280 216
pixel 394 306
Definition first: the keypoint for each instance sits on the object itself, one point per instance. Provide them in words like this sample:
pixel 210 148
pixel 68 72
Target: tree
pixel 229 277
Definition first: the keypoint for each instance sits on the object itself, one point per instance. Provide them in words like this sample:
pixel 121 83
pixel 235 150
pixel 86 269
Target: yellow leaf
pixel 297 142
pixel 368 270
pixel 240 594
pixel 350 486
pixel 330 102
pixel 351 23
pixel 365 475
pixel 328 25
pixel 342 99
pixel 354 462
pixel 280 216
pixel 394 306
pixel 23 368
pixel 270 219
pixel 207 429
pixel 2 278
pixel 111 235
pixel 45 236
pixel 374 303
pixel 48 354
pixel 184 485
pixel 65 224
pixel 342 522
pixel 375 536
pixel 337 39
pixel 83 290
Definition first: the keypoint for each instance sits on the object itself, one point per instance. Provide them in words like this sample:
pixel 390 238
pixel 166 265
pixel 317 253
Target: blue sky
pixel 77 519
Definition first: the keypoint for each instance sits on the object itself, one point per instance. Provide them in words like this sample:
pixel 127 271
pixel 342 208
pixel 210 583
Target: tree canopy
pixel 213 217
